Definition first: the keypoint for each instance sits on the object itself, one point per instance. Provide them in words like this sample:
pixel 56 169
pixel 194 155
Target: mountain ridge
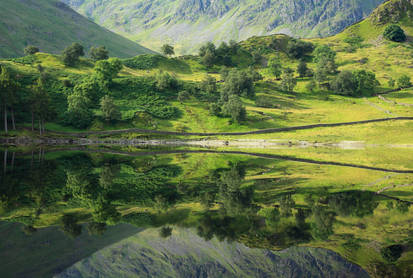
pixel 190 23
pixel 52 25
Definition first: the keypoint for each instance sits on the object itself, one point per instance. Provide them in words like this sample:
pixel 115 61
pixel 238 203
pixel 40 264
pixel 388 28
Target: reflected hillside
pixel 360 209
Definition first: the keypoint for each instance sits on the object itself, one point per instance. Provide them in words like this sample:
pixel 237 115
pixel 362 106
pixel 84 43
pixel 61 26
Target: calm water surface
pixel 90 212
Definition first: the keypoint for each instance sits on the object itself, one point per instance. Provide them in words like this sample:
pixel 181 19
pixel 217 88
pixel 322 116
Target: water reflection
pixel 266 201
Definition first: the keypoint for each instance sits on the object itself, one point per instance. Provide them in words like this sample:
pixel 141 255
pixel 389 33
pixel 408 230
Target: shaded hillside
pixel 185 254
pixel 189 23
pixel 49 251
pixel 51 26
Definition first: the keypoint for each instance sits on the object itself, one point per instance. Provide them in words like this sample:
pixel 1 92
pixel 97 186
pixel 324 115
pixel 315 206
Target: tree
pixel 165 232
pixel 209 86
pixel 99 53
pixel 109 109
pixel 404 81
pixel 41 104
pixel 234 109
pixel 298 49
pixel 238 83
pixel 183 96
pixel 72 53
pixel 168 50
pixel 302 69
pixel 325 57
pixel 108 69
pixel 394 33
pixel 78 113
pixel 288 82
pixel 165 81
pixel 355 83
pixel 30 50
pixel 7 93
pixel 208 54
pixel 392 253
pixel 275 67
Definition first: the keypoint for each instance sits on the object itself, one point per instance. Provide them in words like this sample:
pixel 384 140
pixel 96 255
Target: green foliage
pixel 288 81
pixel 404 81
pixel 79 113
pixel 165 81
pixel 70 226
pixel 237 82
pixel 108 69
pixel 391 82
pixel 183 96
pixel 72 53
pixel 275 66
pixel 325 57
pixel 30 50
pixel 165 232
pixel 303 70
pixel 98 53
pixel 353 203
pixel 234 109
pixel 323 223
pixel 356 83
pixel 109 110
pixel 297 49
pixel 392 253
pixel 394 33
pixel 167 50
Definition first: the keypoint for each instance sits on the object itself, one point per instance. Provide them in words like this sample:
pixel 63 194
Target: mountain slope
pixel 185 254
pixel 189 23
pixel 51 26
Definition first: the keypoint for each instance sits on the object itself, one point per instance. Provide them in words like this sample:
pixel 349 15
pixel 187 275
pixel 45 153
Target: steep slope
pixel 185 254
pixel 48 251
pixel 189 23
pixel 51 26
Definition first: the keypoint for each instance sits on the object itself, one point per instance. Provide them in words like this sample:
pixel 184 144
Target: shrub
pixel 392 253
pixel 109 110
pixel 298 49
pixel 394 33
pixel 99 53
pixel 72 53
pixel 30 50
pixel 404 81
pixel 234 109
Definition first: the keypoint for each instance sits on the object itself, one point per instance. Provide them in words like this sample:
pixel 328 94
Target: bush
pixel 99 53
pixel 165 81
pixel 392 253
pixel 394 33
pixel 234 109
pixel 404 81
pixel 298 49
pixel 109 110
pixel 143 62
pixel 357 83
pixel 72 53
pixel 30 50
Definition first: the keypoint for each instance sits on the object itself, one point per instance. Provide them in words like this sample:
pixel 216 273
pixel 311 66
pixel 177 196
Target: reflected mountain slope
pixel 185 254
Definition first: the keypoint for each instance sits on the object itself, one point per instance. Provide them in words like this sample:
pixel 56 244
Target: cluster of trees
pixel 211 55
pixel 237 83
pixel 72 53
pixel 15 96
pixel 356 83
pixel 92 91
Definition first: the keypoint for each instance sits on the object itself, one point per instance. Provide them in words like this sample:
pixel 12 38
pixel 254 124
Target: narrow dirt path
pixel 263 131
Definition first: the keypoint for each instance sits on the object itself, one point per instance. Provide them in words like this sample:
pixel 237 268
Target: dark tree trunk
pixel 32 121
pixel 12 119
pixel 5 118
pixel 5 162
pixel 12 160
pixel 31 163
pixel 44 129
pixel 40 126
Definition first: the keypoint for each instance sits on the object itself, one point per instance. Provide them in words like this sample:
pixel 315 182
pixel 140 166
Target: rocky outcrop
pixel 393 11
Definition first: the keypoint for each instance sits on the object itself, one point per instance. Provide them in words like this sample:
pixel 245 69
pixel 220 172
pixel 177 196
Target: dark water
pixel 177 213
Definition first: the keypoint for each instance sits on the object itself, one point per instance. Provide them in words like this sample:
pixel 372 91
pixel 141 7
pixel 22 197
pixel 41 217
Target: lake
pixel 134 211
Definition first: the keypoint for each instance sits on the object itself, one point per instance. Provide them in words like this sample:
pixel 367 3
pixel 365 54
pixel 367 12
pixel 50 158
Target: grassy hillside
pixel 188 24
pixel 143 103
pixel 52 26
